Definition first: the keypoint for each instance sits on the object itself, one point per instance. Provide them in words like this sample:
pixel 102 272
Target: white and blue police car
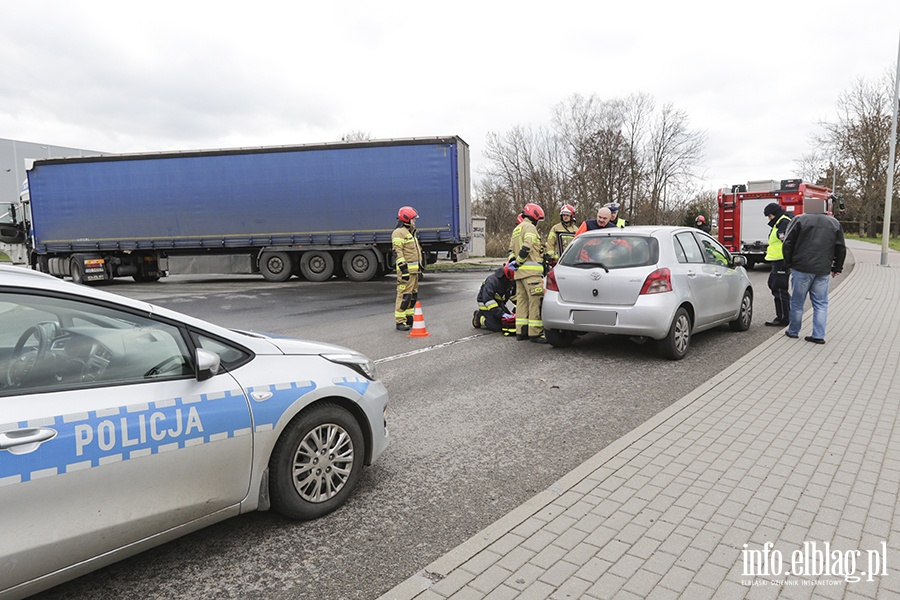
pixel 124 425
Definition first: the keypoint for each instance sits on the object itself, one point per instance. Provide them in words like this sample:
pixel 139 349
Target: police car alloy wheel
pixel 316 462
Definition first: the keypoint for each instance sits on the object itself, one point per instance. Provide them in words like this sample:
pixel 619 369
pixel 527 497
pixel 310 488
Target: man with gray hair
pixel 813 247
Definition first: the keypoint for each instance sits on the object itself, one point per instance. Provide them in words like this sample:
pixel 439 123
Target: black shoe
pixel 522 337
pixel 403 327
pixel 777 323
pixel 791 335
pixel 539 340
pixel 476 320
pixel 814 340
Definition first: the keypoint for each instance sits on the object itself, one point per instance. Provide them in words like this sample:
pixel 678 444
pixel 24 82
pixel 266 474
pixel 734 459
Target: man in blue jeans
pixel 813 248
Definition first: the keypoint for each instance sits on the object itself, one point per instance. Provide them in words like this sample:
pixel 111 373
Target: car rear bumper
pixel 651 316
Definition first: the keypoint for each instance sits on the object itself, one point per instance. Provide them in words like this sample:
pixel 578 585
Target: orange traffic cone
pixel 418 328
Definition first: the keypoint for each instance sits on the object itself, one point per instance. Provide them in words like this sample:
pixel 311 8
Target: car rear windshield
pixel 612 251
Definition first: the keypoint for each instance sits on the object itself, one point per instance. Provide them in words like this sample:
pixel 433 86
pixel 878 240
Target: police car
pixel 124 425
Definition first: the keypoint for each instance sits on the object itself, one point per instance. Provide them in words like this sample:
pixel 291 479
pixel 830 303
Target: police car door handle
pixel 23 441
pixel 691 274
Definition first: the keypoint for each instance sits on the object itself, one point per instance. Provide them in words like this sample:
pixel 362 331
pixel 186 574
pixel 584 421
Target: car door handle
pixel 23 441
pixel 691 274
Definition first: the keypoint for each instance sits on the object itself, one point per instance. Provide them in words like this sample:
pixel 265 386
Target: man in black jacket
pixel 813 247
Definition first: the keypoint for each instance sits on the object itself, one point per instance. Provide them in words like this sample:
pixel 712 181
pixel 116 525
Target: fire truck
pixel 744 229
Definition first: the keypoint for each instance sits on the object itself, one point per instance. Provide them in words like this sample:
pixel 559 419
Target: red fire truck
pixel 744 229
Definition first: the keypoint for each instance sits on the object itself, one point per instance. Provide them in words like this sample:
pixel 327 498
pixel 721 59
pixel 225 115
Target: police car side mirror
pixel 207 364
pixel 739 261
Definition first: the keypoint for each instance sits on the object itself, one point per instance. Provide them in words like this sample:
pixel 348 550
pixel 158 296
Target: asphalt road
pixel 479 424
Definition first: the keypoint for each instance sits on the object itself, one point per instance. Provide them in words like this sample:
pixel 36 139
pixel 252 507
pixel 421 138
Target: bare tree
pixel 673 153
pixel 859 138
pixel 356 136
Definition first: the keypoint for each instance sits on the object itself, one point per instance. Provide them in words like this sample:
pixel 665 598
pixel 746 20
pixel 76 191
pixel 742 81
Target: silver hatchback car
pixel 124 425
pixel 662 283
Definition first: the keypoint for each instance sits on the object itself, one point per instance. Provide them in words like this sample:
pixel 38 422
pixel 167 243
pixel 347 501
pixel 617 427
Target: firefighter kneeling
pixel 493 311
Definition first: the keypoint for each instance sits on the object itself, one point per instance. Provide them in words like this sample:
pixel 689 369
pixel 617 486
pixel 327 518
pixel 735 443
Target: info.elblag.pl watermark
pixel 814 563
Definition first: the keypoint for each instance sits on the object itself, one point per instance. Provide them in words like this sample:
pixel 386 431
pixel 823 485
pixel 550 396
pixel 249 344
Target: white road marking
pixel 430 348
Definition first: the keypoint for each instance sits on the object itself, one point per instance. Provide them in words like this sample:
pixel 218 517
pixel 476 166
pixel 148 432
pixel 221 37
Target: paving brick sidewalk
pixel 793 448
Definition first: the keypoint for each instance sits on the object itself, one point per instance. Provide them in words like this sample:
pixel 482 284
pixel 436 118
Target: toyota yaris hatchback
pixel 124 425
pixel 661 283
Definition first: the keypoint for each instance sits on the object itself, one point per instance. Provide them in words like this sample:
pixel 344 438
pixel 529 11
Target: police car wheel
pixel 316 463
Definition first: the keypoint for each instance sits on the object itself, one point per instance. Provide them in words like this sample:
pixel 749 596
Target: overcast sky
pixel 130 76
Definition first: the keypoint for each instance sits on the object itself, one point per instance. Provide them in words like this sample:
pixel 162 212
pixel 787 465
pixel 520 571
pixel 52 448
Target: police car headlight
pixel 357 362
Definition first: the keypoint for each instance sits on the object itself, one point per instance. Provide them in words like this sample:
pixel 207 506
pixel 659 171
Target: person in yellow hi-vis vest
pixel 408 252
pixel 526 258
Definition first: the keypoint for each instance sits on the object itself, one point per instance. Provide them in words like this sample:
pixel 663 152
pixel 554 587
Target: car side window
pixel 49 343
pixel 687 249
pixel 229 355
pixel 714 253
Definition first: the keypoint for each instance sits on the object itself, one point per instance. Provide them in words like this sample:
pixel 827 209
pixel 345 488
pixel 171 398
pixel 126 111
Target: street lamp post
pixel 889 192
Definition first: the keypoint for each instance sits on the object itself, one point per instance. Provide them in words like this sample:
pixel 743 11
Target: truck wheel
pixel 275 266
pixel 360 265
pixel 145 278
pixel 316 463
pixel 76 270
pixel 316 265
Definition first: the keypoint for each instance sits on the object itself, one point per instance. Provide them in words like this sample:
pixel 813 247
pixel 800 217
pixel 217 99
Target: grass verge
pixel 893 243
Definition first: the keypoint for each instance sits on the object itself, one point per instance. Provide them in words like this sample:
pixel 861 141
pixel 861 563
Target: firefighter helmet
pixel 533 211
pixel 406 214
pixel 567 209
pixel 700 219
pixel 508 273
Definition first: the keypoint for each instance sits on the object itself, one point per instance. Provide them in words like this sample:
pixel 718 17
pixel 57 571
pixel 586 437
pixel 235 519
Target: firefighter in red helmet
pixel 408 253
pixel 526 258
pixel 701 223
pixel 493 299
pixel 566 225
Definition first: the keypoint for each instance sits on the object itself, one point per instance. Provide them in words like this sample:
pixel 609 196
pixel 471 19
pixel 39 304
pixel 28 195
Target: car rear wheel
pixel 742 323
pixel 559 338
pixel 678 341
pixel 316 463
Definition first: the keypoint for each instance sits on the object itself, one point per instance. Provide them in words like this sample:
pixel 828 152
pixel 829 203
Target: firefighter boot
pixel 476 320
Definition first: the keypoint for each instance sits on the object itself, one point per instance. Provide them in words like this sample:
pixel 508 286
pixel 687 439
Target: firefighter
pixel 566 225
pixel 493 309
pixel 527 254
pixel 701 224
pixel 614 214
pixel 780 273
pixel 408 252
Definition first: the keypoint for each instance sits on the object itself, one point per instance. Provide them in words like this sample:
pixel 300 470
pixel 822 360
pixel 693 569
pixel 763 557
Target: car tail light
pixel 658 282
pixel 550 283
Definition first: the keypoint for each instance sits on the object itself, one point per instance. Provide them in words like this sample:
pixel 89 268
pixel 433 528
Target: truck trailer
pixel 744 229
pixel 314 210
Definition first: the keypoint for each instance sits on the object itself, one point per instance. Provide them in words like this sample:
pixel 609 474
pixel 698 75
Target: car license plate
pixel 594 317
